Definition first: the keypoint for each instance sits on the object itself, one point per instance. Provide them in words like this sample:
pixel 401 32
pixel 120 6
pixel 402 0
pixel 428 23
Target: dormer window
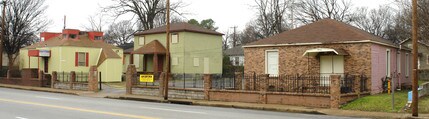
pixel 72 36
pixel 98 38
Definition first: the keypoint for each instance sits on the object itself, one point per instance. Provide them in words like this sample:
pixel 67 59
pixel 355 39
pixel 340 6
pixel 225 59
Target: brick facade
pixel 292 61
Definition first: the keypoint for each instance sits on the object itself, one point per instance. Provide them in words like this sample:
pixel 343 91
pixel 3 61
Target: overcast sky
pixel 226 13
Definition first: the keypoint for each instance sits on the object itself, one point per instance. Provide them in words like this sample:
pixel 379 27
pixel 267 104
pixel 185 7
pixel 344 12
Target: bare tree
pixel 309 11
pixel 376 21
pixel 150 13
pixel 24 19
pixel 248 35
pixel 96 23
pixel 120 33
pixel 271 18
pixel 401 28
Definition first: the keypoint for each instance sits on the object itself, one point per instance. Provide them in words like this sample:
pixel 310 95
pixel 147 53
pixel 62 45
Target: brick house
pixel 329 47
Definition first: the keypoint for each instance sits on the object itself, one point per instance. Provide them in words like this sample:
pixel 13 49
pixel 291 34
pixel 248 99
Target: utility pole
pixel 415 102
pixel 234 38
pixel 167 75
pixel 3 30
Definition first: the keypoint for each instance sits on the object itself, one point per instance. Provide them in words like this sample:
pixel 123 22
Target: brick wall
pixel 172 93
pixel 292 61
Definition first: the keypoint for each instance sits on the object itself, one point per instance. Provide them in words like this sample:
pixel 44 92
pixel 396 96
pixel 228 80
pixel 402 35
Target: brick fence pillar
pixel 207 86
pixel 93 79
pixel 53 79
pixel 238 78
pixel 335 91
pixel 130 75
pixel 263 86
pixel 40 77
pixel 161 84
pixel 72 79
pixel 8 74
pixel 357 86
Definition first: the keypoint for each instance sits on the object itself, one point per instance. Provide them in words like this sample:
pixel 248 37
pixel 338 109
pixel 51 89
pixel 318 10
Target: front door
pixel 330 65
pixel 46 64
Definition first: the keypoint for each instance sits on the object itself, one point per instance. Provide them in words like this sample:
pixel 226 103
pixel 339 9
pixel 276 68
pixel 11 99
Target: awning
pixel 153 47
pixel 314 52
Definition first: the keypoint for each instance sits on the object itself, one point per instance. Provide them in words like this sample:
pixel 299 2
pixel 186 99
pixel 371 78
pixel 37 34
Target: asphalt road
pixel 22 104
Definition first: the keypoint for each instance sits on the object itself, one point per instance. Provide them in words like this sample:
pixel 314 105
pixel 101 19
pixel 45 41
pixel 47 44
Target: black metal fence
pixel 81 77
pixel 186 81
pixel 286 83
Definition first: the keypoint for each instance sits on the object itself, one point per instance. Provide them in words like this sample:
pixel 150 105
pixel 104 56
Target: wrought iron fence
pixel 287 83
pixel 82 77
pixel 186 81
pixel 227 81
pixel 63 76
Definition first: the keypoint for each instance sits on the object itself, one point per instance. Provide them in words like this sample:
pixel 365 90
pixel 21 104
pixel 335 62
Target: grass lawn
pixel 383 102
pixel 378 102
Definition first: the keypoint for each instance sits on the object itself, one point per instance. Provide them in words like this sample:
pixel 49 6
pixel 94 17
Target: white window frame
pixel 174 38
pixel 141 40
pixel 196 61
pixel 266 60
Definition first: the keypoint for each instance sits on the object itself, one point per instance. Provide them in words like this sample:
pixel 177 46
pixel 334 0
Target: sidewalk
pixel 270 107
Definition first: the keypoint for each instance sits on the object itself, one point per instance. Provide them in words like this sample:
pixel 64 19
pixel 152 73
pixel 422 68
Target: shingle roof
pixel 126 46
pixel 178 27
pixel 151 48
pixel 237 50
pixel 323 31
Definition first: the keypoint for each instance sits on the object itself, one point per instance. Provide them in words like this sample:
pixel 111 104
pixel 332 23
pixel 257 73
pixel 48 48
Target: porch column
pixel 131 58
pixel 144 63
pixel 155 63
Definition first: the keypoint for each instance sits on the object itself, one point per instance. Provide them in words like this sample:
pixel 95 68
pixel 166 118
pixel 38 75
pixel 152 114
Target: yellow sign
pixel 146 78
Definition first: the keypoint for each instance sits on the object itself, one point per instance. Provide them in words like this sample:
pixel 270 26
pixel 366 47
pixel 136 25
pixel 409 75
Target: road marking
pixel 52 98
pixel 78 109
pixel 173 110
pixel 20 118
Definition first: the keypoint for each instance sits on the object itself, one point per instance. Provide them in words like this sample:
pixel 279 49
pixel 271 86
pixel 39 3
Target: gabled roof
pixel 418 41
pixel 235 51
pixel 178 27
pixel 107 54
pixel 153 47
pixel 323 31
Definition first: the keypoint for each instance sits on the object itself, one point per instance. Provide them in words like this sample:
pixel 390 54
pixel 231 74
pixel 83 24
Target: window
pixel 388 62
pixel 272 62
pixel 236 61
pixel 196 62
pixel 72 36
pixel 174 38
pixel 98 38
pixel 141 40
pixel 407 65
pixel 81 59
pixel 175 61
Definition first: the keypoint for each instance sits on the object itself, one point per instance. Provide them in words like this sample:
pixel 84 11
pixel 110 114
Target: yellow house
pixel 74 50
